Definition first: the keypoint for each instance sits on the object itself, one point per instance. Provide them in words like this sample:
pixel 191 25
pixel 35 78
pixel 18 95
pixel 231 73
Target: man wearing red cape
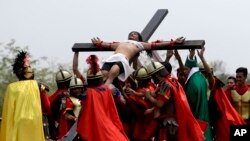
pixel 176 121
pixel 58 103
pixel 222 113
pixel 144 124
pixel 99 120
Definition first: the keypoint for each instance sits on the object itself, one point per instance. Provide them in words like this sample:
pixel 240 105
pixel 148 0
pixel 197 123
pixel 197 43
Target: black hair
pixel 139 35
pixel 243 70
pixel 232 77
pixel 18 65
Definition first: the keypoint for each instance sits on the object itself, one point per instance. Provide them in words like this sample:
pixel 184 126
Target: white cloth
pixel 118 57
pixel 192 71
pixel 137 44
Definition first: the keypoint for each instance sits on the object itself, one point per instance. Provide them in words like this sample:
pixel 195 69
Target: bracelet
pixel 153 45
pixel 171 43
pixel 99 45
pixel 110 44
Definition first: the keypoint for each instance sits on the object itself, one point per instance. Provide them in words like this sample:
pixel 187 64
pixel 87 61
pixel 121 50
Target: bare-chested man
pixel 118 63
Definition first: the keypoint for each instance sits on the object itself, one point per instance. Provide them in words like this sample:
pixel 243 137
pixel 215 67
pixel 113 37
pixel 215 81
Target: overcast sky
pixel 51 27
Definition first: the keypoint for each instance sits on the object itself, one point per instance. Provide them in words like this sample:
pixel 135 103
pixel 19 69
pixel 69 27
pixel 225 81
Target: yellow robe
pixel 22 113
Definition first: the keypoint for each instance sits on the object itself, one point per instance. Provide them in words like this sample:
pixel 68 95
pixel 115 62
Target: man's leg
pixel 105 75
pixel 113 73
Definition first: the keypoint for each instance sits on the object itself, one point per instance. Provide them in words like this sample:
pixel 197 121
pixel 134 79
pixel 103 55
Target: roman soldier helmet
pixel 141 74
pixel 94 74
pixel 201 66
pixel 63 76
pixel 21 65
pixel 154 67
pixel 75 83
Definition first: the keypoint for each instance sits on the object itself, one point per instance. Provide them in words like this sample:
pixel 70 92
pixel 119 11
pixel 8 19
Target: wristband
pixel 153 45
pixel 171 43
pixel 99 45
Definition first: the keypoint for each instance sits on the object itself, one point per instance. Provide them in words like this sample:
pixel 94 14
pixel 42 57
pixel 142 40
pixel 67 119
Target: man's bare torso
pixel 129 50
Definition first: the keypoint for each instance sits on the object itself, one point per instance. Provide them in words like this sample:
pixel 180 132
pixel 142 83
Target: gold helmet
pixel 75 83
pixel 141 74
pixel 154 67
pixel 201 66
pixel 63 76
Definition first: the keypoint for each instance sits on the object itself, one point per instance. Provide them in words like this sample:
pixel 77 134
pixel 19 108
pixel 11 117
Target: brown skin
pixel 129 51
pixel 28 72
pixel 230 83
pixel 208 72
pixel 241 79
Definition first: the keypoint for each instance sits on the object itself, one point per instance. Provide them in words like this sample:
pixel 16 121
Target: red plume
pixel 94 67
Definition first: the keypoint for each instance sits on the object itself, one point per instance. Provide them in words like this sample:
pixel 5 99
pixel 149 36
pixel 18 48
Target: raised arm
pixel 162 44
pixel 178 58
pixel 75 65
pixel 210 77
pixel 100 44
pixel 169 55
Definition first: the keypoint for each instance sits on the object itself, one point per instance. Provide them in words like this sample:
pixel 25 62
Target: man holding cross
pixel 124 52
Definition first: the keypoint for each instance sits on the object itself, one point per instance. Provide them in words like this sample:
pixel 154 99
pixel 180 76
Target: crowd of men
pixel 118 102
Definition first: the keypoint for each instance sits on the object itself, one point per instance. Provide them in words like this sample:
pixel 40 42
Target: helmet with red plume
pixel 94 74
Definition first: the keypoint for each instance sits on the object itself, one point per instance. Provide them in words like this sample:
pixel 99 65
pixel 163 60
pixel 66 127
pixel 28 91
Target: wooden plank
pixel 188 44
pixel 153 24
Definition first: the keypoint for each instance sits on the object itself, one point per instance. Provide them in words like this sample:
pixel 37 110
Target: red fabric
pixel 229 116
pixel 145 125
pixel 64 124
pixel 99 120
pixel 54 96
pixel 241 89
pixel 69 104
pixel 58 116
pixel 45 103
pixel 189 128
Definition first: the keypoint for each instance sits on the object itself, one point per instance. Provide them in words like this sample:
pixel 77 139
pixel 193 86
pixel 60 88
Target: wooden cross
pixel 146 34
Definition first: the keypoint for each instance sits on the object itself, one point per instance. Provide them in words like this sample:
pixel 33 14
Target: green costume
pixel 196 91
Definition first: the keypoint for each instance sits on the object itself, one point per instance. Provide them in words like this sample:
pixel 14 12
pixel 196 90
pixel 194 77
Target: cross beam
pixel 146 34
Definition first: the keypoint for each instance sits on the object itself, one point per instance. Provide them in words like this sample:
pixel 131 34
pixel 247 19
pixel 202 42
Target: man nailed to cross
pixel 118 65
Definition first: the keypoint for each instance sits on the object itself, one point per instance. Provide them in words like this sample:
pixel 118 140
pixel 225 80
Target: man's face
pixel 77 91
pixel 28 72
pixel 230 83
pixel 186 71
pixel 240 78
pixel 133 36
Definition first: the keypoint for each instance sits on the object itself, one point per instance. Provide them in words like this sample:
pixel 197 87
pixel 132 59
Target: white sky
pixel 51 27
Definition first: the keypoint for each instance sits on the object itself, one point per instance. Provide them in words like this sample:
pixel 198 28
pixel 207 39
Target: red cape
pixel 189 128
pixel 229 116
pixel 58 115
pixel 99 120
pixel 145 125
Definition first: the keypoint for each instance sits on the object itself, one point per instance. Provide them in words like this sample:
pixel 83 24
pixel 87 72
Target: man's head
pixel 202 69
pixel 76 86
pixel 21 66
pixel 241 75
pixel 168 66
pixel 157 71
pixel 231 81
pixel 94 74
pixel 63 78
pixel 134 35
pixel 142 76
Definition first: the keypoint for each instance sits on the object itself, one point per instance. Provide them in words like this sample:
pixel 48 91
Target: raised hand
pixel 96 41
pixel 201 52
pixel 179 40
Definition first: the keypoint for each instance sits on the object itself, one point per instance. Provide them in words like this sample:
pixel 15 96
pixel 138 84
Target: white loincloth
pixel 118 57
